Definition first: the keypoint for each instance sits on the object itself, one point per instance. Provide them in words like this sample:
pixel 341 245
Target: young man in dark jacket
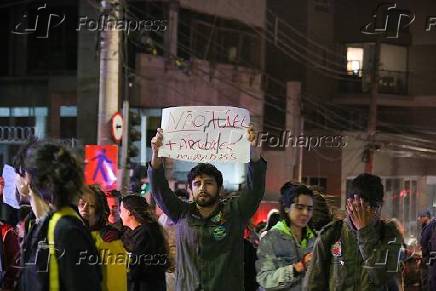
pixel 209 237
pixel 361 252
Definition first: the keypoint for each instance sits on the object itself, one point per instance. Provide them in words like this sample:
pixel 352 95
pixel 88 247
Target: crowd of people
pixel 71 236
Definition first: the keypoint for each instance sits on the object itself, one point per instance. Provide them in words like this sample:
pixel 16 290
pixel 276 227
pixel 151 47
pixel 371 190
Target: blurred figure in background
pixel 272 218
pixel 397 282
pixel 428 227
pixel 113 199
pixel 146 242
pixel 23 220
pixel 321 211
pixel 139 181
pixel 10 247
pixel 94 210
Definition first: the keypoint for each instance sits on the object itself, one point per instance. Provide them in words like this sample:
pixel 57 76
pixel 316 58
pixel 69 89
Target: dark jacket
pixel 425 242
pixel 10 256
pixel 148 258
pixel 349 260
pixel 72 242
pixel 210 250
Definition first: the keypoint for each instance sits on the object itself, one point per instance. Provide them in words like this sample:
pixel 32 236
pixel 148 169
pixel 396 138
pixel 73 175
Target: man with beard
pixel 209 233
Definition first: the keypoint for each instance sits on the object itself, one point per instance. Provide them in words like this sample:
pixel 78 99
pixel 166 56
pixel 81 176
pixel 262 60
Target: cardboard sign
pixel 206 134
pixel 9 191
pixel 101 166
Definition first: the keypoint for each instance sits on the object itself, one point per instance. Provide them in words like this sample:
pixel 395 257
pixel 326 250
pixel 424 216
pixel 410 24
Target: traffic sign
pixel 101 166
pixel 117 127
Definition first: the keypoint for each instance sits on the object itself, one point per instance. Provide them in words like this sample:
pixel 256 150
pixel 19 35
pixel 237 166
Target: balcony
pixel 390 82
pixel 16 134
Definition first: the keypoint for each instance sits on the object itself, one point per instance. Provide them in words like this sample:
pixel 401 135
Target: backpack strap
pixel 53 263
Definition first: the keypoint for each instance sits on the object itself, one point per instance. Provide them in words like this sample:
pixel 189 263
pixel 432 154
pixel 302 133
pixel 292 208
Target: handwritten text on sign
pixel 205 134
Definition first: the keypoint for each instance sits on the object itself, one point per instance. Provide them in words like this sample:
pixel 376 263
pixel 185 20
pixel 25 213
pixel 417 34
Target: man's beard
pixel 206 201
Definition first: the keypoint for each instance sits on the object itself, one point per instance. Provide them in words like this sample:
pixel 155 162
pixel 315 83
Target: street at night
pixel 218 145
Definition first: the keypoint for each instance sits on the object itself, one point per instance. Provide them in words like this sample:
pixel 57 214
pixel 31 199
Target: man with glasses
pixel 362 251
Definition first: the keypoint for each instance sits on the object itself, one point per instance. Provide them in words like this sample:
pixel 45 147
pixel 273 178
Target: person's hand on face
pixel 360 212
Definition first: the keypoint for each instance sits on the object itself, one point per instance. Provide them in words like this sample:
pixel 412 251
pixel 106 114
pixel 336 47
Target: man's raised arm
pixel 248 201
pixel 164 196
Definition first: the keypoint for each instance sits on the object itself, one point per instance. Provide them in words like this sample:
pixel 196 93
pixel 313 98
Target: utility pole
pixel 372 121
pixel 109 71
pixel 124 170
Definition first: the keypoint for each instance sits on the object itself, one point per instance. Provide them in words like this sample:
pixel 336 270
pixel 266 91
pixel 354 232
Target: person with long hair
pixel 54 247
pixel 146 243
pixel 285 251
pixel 95 211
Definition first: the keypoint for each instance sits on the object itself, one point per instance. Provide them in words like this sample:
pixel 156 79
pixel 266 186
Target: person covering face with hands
pixel 360 252
pixel 208 231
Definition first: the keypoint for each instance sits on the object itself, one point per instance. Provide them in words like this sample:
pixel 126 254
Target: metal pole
pixel 124 176
pixel 372 122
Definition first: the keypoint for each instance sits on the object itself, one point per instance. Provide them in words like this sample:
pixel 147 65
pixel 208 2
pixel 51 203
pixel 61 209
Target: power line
pixel 256 97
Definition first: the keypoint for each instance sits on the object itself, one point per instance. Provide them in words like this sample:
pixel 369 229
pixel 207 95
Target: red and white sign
pixel 117 127
pixel 101 166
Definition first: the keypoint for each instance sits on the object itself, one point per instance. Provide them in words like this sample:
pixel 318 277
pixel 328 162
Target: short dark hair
pixel 369 187
pixel 114 194
pixel 205 169
pixel 289 193
pixel 56 174
pixel 19 159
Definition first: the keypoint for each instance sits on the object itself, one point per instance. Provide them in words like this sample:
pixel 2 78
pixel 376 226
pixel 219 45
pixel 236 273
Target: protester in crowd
pixel 23 220
pixel 170 234
pixel 9 244
pixel 40 206
pixel 113 199
pixel 209 232
pixel 139 182
pixel 145 240
pixel 321 211
pixel 396 283
pixel 53 248
pixel 94 210
pixel 427 229
pixel 347 254
pixel 272 219
pixel 286 250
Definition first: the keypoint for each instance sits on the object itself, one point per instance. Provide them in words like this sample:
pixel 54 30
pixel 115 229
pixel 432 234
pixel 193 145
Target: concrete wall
pixel 160 86
pixel 251 12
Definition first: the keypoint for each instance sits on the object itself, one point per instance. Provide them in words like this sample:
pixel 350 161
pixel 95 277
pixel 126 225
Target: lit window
pixel 354 61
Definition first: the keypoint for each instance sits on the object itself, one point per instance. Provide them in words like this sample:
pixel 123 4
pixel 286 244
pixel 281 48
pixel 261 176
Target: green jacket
pixel 210 250
pixel 345 259
pixel 277 252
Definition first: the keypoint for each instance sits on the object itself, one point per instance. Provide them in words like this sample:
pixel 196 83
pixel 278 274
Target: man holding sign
pixel 209 232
